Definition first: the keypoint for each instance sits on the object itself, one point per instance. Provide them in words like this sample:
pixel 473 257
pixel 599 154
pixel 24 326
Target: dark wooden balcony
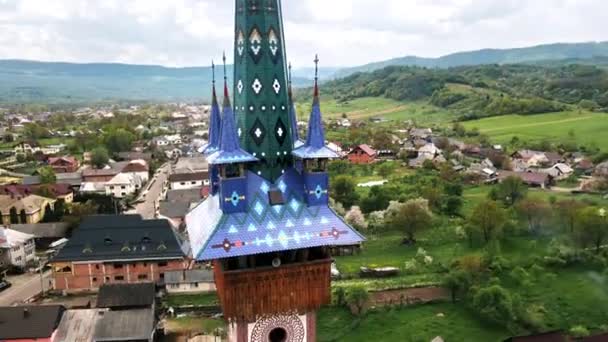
pixel 294 288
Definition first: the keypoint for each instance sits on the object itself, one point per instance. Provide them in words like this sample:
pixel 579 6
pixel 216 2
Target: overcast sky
pixel 343 32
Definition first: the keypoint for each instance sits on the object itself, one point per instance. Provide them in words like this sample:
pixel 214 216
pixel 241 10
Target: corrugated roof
pixel 113 296
pixel 125 325
pixel 78 325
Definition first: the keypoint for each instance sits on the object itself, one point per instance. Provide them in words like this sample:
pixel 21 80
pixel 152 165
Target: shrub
pixel 357 298
pixel 494 304
pixel 579 331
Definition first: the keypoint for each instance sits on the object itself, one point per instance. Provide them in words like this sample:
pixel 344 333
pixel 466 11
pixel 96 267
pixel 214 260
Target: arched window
pixel 14 216
pixel 23 216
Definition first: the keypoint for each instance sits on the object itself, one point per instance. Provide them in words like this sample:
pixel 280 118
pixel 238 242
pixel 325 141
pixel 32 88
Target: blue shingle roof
pixel 314 147
pixel 230 150
pixel 264 228
pixel 214 126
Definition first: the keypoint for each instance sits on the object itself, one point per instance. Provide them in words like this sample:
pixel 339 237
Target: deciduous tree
pixel 412 217
pixel 488 218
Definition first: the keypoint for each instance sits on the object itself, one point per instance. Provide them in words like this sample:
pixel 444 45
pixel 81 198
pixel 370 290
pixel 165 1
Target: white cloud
pixel 343 32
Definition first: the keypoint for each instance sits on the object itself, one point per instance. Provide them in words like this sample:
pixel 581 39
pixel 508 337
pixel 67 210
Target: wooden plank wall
pixel 246 295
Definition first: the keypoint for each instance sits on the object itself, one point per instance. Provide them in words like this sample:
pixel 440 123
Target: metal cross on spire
pixel 212 72
pixel 289 75
pixel 316 94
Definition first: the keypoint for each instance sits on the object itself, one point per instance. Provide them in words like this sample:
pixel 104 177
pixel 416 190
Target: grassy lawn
pixel 194 325
pixel 555 127
pixel 572 297
pixel 414 324
pixel 204 299
pixel 472 196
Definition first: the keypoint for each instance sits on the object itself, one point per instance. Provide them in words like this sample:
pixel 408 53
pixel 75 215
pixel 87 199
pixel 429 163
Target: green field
pixel 587 128
pixel 368 107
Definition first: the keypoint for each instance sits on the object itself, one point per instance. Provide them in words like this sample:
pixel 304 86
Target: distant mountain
pixel 31 81
pixel 549 52
pixel 45 82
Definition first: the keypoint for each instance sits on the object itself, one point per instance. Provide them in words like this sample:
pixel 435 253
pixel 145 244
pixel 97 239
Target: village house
pixel 117 249
pixel 189 281
pixel 184 181
pixel 118 179
pixel 559 171
pixel 362 154
pixel 57 191
pixel 27 209
pixel 16 249
pixel 26 147
pixel 532 158
pixel 30 323
pixel 532 179
pixel 64 164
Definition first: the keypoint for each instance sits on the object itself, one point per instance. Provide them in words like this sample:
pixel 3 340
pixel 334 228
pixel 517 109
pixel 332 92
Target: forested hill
pixel 549 52
pixel 479 91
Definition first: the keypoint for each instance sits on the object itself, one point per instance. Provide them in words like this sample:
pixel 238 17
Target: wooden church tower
pixel 267 225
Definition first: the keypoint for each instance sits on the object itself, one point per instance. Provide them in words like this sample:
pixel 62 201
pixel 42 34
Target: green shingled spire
pixel 260 86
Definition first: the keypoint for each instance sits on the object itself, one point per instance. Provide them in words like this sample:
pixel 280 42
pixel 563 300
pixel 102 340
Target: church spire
pixel 314 147
pixel 261 98
pixel 229 147
pixel 293 117
pixel 215 121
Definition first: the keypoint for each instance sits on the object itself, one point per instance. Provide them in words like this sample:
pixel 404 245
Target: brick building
pixel 117 250
pixel 362 154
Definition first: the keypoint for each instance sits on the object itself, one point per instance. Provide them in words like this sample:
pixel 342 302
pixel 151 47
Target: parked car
pixel 4 284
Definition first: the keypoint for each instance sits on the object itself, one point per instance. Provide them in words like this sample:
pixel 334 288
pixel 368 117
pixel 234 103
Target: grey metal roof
pixel 29 322
pixel 78 325
pixel 125 325
pixel 189 276
pixel 44 230
pixel 126 295
pixel 174 209
pixel 185 196
pixel 121 237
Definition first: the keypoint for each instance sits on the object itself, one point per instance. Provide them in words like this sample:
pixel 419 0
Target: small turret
pixel 314 154
pixel 230 160
pixel 215 124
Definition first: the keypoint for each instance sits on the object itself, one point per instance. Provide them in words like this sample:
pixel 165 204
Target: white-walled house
pixel 189 281
pixel 16 248
pixel 184 181
pixel 121 185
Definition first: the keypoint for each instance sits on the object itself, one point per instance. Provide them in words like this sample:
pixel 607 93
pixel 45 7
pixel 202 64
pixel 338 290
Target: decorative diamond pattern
pixel 257 86
pixel 318 192
pixel 240 132
pixel 282 186
pixel 240 43
pixel 255 44
pixel 240 87
pixel 264 187
pixel 280 131
pixel 252 228
pixel 276 85
pixel 273 42
pixel 235 199
pixel 258 132
pixel 259 208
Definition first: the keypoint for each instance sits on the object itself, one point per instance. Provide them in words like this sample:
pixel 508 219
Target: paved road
pixel 24 287
pixel 147 209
